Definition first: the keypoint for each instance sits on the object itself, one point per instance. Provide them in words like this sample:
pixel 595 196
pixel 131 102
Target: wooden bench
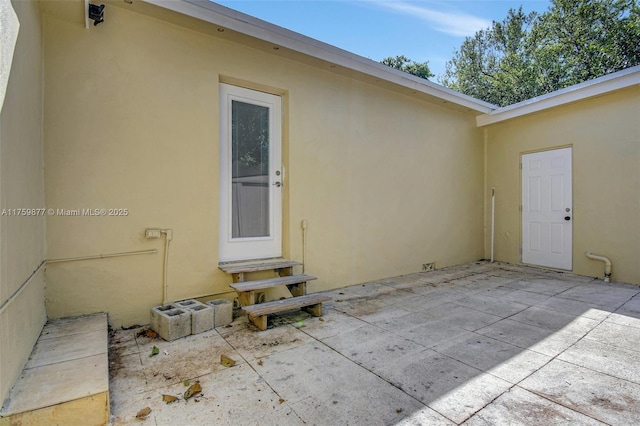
pixel 311 303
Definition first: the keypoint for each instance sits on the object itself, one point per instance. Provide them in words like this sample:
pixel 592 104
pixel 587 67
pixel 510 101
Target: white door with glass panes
pixel 547 209
pixel 250 174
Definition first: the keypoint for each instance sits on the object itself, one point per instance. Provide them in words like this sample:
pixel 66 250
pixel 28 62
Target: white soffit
pixel 216 14
pixel 588 89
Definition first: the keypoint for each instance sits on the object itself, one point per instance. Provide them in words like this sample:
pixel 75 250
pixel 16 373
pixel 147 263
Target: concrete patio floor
pixel 478 344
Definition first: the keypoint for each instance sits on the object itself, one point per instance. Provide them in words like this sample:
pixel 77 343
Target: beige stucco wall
pixel 22 251
pixel 604 133
pixel 386 182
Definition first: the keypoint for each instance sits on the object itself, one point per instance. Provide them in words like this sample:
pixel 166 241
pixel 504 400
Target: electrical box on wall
pixel 152 233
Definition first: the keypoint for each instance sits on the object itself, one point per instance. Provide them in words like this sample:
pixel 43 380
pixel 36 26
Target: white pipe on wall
pixel 493 219
pixel 6 304
pixel 168 236
pixel 607 264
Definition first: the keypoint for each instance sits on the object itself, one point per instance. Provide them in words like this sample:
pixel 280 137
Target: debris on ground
pixel 186 383
pixel 169 398
pixel 131 327
pixel 166 352
pixel 148 333
pixel 142 414
pixel 321 319
pixel 260 363
pixel 226 361
pixel 193 390
pixel 154 351
pixel 281 400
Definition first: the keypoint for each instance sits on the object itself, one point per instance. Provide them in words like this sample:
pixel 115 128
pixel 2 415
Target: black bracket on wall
pixel 96 13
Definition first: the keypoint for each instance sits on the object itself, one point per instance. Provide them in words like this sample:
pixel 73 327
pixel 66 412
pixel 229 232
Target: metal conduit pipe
pixel 607 264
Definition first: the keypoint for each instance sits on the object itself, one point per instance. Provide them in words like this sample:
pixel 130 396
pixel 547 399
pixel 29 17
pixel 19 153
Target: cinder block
pixel 155 314
pixel 170 322
pixel 223 311
pixel 202 316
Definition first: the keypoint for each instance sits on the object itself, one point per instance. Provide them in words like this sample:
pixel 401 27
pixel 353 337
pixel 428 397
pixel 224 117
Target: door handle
pixel 277 184
pixel 567 218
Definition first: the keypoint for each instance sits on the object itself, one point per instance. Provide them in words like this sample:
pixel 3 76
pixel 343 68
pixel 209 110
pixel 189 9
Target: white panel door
pixel 250 174
pixel 547 210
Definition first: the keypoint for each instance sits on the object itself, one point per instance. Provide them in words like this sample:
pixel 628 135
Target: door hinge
pixel 520 165
pixel 520 250
pixel 520 208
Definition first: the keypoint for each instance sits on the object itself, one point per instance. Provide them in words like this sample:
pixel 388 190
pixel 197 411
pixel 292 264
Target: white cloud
pixel 457 24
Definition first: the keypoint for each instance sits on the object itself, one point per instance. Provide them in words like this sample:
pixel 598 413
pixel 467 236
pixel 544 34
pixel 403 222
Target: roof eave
pixel 588 89
pixel 233 20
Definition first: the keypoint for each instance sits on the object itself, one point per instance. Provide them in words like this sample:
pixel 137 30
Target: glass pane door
pixel 250 170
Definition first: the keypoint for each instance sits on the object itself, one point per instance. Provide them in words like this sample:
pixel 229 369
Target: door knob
pixel 567 218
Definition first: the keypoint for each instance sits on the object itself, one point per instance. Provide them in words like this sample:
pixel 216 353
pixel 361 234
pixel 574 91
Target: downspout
pixel 607 264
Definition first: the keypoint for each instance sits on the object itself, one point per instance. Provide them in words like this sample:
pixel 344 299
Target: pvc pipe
pixel 303 225
pixel 15 295
pixel 168 236
pixel 607 264
pixel 69 259
pixel 493 219
pixel 101 256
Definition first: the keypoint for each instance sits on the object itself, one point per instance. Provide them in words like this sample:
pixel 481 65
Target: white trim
pixel 245 24
pixel 245 248
pixel 588 89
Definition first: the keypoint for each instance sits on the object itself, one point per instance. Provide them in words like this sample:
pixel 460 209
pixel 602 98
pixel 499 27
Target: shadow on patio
pixel 475 344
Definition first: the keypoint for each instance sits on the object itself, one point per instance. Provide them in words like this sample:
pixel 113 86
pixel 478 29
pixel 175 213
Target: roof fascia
pixel 588 89
pixel 233 20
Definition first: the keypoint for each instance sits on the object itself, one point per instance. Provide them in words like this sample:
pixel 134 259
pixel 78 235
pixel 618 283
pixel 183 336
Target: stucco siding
pixel 385 182
pixel 22 300
pixel 604 133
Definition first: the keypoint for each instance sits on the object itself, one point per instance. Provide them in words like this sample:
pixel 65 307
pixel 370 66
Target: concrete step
pixel 311 303
pixel 66 379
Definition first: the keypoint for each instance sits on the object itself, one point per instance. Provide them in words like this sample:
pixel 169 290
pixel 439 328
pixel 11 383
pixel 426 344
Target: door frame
pixel 568 267
pixel 249 248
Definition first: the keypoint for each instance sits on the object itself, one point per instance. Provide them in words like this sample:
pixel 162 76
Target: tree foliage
pixel 405 64
pixel 528 55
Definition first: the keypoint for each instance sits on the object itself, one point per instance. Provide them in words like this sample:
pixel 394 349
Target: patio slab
pixel 477 344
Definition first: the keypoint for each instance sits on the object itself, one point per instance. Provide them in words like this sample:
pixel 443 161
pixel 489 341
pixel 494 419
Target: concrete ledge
pixel 66 380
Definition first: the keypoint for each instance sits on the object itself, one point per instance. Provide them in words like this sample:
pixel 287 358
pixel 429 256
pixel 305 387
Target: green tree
pixel 529 55
pixel 405 64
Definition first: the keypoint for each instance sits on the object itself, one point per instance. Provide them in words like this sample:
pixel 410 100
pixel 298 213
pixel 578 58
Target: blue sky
pixel 425 30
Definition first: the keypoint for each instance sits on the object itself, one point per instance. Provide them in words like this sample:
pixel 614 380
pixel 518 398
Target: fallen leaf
pixel 142 414
pixel 228 326
pixel 281 400
pixel 186 383
pixel 169 398
pixel 194 389
pixel 154 351
pixel 321 319
pixel 147 333
pixel 260 363
pixel 226 361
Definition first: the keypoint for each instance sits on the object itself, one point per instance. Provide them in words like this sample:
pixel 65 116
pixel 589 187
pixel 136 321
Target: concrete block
pixel 155 315
pixel 223 311
pixel 202 316
pixel 171 322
